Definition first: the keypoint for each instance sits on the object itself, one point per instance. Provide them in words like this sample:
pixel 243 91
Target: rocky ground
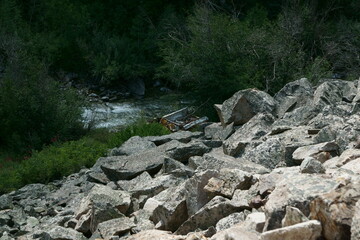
pixel 282 167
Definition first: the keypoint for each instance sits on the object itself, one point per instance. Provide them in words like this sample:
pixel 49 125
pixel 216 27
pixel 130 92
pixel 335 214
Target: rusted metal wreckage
pixel 182 119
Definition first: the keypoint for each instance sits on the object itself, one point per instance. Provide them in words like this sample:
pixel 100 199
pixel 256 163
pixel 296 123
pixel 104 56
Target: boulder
pixel 237 232
pixel 181 136
pixel 353 166
pixel 142 220
pixel 311 165
pixel 128 167
pixel 228 181
pixel 218 208
pixel 230 221
pixel 269 153
pixel 97 177
pixel 172 208
pixel 310 230
pixel 216 131
pixel 101 204
pixel 143 184
pixel 243 198
pixel 115 227
pixel 183 152
pixel 133 145
pixel 293 216
pixel 255 221
pixel 355 225
pixel 6 202
pixel 176 169
pixel 316 151
pixel 61 233
pixel 293 95
pixel 296 190
pixel 335 210
pixel 255 128
pixel 216 159
pixel 244 105
pixel 334 91
pixel 196 196
pixel 154 234
pixel 357 96
pixel 170 212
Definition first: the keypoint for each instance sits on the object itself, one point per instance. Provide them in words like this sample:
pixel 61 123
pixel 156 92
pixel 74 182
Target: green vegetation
pixel 61 159
pixel 218 53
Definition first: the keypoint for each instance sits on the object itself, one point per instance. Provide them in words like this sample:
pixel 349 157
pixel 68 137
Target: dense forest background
pixel 209 48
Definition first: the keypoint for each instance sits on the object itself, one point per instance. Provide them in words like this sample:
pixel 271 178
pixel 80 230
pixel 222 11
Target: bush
pixel 61 159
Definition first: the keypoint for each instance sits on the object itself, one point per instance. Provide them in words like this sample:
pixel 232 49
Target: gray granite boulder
pixel 255 128
pixel 293 95
pixel 244 105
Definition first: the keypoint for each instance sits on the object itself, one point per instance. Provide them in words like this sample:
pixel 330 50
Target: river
pixel 121 113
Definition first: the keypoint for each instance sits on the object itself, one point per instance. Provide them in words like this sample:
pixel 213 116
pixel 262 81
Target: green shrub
pixel 61 159
pixel 56 161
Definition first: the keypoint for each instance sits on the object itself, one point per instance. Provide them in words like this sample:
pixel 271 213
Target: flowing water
pixel 117 114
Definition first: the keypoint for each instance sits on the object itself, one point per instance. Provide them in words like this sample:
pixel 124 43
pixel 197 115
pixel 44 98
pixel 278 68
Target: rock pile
pixel 283 167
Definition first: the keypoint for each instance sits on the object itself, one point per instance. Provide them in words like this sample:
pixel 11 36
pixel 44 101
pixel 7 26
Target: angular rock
pixel 243 198
pixel 335 210
pixel 196 196
pixel 115 227
pixel 170 213
pixel 255 128
pixel 315 151
pixel 310 230
pixel 172 208
pixel 142 220
pixel 355 225
pixel 218 208
pixel 332 92
pixel 212 129
pixel 296 190
pixel 228 181
pixel 293 95
pixel 255 221
pixel 216 131
pixel 154 234
pixel 133 145
pixel 181 136
pixel 230 221
pixel 269 154
pixel 143 184
pixel 5 202
pixel 184 151
pixel 237 232
pixel 348 156
pixel 353 166
pixel 293 216
pixel 97 177
pixel 101 204
pixel 127 167
pixel 61 233
pixel 311 165
pixel 176 168
pixel 245 104
pixel 216 159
